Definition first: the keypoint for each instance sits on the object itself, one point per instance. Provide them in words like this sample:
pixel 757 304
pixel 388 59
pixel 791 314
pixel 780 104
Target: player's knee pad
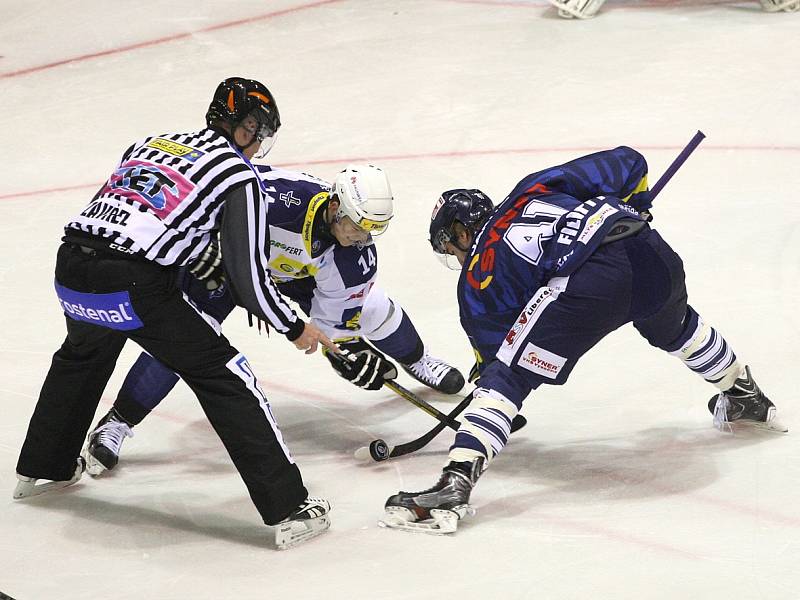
pixel 485 426
pixel 380 316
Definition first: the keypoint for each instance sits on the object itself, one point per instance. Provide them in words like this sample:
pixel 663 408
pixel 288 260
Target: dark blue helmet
pixel 236 98
pixel 469 207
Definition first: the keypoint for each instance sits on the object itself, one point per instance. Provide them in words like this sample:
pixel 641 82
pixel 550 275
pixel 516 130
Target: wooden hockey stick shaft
pixel 411 397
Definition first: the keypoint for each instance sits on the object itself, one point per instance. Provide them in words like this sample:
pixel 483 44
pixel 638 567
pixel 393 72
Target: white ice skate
pixel 29 486
pixel 307 521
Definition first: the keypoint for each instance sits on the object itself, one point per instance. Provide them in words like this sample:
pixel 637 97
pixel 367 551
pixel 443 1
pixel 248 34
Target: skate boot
pixel 778 5
pixel 30 486
pixel 307 521
pixel 436 374
pixel 105 443
pixel 744 402
pixel 438 509
pixel 577 9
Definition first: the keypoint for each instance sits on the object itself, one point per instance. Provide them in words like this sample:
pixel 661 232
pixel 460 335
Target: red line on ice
pixel 432 155
pixel 166 39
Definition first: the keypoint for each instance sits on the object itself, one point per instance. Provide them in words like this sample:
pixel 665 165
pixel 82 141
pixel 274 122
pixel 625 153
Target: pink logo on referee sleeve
pixel 158 187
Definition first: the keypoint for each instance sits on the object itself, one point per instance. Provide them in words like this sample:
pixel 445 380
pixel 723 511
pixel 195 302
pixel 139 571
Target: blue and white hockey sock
pixel 485 427
pixel 707 353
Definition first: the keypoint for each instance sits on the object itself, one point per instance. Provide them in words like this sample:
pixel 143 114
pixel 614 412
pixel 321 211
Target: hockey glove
pixel 362 365
pixel 208 267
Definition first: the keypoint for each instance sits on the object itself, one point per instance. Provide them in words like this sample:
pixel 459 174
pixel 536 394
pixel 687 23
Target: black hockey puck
pixel 378 450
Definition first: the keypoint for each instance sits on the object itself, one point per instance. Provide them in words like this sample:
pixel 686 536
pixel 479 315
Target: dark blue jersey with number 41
pixel 548 226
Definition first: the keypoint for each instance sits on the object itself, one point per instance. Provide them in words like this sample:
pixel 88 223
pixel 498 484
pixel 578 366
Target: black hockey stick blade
pixel 424 440
pixel 379 450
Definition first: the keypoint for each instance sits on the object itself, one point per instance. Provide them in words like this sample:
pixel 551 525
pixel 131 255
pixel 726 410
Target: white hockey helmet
pixel 365 196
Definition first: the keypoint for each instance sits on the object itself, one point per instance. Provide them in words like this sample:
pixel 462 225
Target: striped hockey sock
pixel 708 354
pixel 485 427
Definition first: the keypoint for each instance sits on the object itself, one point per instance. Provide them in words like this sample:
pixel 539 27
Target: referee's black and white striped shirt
pixel 167 196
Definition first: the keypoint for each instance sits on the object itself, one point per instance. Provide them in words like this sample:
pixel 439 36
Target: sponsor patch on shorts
pixel 541 361
pixel 107 310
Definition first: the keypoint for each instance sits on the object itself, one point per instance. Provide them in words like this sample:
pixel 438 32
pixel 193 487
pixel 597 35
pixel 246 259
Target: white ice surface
pixel 619 488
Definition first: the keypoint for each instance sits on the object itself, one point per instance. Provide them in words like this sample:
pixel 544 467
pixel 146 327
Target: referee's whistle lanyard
pixel 261 184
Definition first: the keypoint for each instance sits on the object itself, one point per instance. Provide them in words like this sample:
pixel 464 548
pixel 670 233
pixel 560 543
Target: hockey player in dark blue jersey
pixel 563 261
pixel 322 256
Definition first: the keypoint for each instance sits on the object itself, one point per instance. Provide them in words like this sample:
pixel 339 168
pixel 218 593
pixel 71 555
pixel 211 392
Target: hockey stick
pixel 420 403
pixel 516 424
pixel 378 450
pixel 411 397
pixel 676 164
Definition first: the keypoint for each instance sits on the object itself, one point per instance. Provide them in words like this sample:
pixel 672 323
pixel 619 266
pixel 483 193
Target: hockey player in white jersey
pixel 586 9
pixel 322 256
pixel 115 279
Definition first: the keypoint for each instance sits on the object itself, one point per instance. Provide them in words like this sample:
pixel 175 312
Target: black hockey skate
pixel 307 521
pixel 105 442
pixel 436 374
pixel 746 403
pixel 438 509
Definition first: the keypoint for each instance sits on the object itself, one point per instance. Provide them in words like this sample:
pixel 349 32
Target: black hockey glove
pixel 208 267
pixel 362 365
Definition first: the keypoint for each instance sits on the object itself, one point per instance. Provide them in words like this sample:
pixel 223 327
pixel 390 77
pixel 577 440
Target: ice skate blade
pixel 27 487
pixel 744 425
pixel 441 522
pixel 290 534
pixel 773 426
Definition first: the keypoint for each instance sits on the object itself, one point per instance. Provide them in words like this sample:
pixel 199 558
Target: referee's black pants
pixel 178 336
